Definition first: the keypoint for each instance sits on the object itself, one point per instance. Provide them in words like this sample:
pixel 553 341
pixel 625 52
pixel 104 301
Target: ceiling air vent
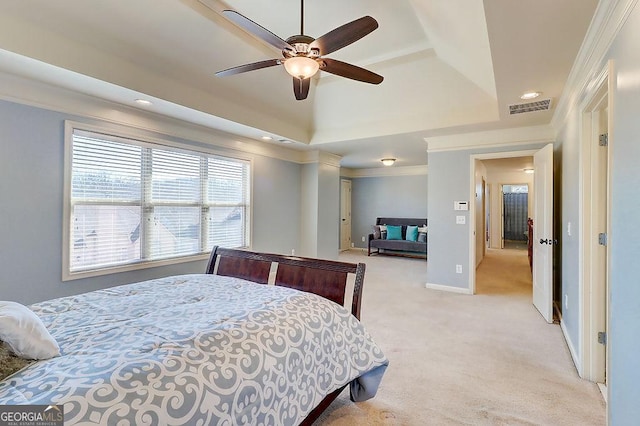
pixel 543 105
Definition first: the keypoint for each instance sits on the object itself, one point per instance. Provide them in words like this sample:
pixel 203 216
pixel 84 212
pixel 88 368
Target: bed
pixel 258 339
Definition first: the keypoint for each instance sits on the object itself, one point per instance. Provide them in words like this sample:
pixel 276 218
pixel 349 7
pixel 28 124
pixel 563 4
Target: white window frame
pixel 126 132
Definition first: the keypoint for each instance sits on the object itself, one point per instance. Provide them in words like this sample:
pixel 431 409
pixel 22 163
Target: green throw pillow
pixel 412 233
pixel 394 232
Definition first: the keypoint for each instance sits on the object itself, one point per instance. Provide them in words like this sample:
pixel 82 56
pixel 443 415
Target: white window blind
pixel 132 202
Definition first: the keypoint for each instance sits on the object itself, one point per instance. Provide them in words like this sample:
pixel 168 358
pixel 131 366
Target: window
pixel 131 203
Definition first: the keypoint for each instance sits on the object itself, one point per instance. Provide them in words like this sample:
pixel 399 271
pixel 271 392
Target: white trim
pixel 70 276
pixel 448 288
pixel 572 350
pixel 607 21
pixel 320 157
pixel 505 154
pixel 383 172
pixel 591 289
pixel 502 138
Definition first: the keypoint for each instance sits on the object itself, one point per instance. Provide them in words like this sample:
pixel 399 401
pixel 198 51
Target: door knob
pixel 548 241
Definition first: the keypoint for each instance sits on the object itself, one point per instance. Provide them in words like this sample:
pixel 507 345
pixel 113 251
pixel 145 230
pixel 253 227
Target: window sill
pixel 70 276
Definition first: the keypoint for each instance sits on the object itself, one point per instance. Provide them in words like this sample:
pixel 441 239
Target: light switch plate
pixel 461 220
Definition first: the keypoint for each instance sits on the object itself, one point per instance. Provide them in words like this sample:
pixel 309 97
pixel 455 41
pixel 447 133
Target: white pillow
pixel 422 229
pixel 24 332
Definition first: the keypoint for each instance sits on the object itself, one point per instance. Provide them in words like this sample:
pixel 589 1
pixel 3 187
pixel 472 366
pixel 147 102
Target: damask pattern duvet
pixel 196 349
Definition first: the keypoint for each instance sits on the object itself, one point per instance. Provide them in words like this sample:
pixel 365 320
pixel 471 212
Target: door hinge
pixel 603 140
pixel 602 338
pixel 602 239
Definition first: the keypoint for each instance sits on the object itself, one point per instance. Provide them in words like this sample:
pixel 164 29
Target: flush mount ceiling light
pixel 143 102
pixel 529 171
pixel 266 138
pixel 530 95
pixel 388 161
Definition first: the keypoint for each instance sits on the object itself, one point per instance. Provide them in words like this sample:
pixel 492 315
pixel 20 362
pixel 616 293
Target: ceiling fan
pixel 303 55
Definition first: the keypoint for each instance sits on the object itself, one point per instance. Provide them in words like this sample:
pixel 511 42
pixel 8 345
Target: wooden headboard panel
pixel 326 278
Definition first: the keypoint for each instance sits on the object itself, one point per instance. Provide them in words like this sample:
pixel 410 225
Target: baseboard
pixel 448 288
pixel 354 249
pixel 572 351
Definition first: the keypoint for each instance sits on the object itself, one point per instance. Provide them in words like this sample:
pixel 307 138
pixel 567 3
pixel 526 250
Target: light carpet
pixel 455 359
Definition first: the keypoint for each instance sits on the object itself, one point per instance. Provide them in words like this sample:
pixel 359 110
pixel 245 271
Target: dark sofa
pixel 382 245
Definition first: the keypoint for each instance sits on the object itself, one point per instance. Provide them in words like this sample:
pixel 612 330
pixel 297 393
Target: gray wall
pixel 624 342
pixel 389 196
pixel 276 205
pixel 623 374
pixel 328 230
pixel 31 194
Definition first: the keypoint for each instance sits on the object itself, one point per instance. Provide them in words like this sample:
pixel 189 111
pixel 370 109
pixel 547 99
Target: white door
pixel 345 214
pixel 543 232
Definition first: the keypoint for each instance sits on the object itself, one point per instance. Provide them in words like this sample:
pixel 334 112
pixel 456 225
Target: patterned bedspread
pixel 196 349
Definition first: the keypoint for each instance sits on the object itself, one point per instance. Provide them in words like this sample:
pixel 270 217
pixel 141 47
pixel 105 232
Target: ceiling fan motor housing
pixel 301 44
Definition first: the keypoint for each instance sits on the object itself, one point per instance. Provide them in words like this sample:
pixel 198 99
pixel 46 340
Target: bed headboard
pixel 326 278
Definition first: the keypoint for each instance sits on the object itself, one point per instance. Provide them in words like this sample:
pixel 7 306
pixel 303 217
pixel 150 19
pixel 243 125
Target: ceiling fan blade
pixel 301 87
pixel 256 29
pixel 249 67
pixel 353 72
pixel 345 35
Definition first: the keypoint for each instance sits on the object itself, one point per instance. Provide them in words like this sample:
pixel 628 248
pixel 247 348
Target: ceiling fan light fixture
pixel 388 161
pixel 301 67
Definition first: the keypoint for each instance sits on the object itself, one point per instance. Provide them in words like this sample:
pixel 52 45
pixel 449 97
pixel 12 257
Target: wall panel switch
pixel 461 220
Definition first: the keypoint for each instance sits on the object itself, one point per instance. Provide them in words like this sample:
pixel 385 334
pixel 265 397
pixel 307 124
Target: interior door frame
pixel 593 311
pixel 472 208
pixel 342 198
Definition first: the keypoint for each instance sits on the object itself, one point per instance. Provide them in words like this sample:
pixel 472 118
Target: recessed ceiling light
pixel 143 102
pixel 388 161
pixel 530 95
pixel 267 138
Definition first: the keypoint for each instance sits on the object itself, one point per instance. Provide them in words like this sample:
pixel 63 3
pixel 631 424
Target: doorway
pixel 495 169
pixel 345 214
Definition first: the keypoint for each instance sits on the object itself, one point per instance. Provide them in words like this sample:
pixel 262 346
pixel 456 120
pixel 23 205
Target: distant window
pixel 517 189
pixel 135 203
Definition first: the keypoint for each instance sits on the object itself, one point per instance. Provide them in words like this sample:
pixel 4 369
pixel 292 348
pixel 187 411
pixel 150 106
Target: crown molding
pixel 502 138
pixel 384 172
pixel 42 95
pixel 607 22
pixel 320 157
